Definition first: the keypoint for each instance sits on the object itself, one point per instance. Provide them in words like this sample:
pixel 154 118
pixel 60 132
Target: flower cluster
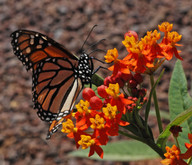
pixel 132 88
pixel 145 55
pixel 119 100
pixel 173 156
pixel 97 118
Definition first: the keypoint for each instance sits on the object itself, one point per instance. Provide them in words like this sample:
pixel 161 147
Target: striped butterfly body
pixel 58 75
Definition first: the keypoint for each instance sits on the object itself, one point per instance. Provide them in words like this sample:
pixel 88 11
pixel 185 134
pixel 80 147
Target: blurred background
pixel 22 133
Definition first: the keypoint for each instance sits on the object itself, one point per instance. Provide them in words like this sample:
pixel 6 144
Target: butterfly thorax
pixel 84 70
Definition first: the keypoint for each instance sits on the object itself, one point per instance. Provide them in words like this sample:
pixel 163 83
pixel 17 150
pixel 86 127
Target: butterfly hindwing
pixel 55 88
pixel 32 47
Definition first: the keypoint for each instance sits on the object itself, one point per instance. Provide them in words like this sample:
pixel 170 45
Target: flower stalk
pixel 157 111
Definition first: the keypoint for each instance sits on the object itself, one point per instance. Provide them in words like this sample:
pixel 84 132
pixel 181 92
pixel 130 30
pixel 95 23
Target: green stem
pixel 156 106
pixel 131 136
pixel 151 143
pixel 148 142
pixel 177 142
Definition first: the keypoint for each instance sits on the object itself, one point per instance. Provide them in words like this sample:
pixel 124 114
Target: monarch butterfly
pixel 58 75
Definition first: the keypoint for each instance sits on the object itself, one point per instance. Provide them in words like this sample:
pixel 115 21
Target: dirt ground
pixel 22 133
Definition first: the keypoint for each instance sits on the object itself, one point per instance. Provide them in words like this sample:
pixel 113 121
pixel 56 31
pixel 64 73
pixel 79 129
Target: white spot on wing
pixel 28 50
pixel 32 41
pixel 39 46
pixel 45 38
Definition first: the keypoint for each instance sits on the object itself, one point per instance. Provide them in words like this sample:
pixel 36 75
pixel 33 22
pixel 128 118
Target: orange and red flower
pixel 119 65
pixel 173 155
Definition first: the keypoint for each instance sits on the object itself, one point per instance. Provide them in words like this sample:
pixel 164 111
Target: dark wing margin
pixel 32 47
pixel 55 88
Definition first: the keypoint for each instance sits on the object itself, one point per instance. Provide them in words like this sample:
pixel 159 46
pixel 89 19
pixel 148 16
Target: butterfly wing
pixel 32 47
pixel 55 88
pixel 55 84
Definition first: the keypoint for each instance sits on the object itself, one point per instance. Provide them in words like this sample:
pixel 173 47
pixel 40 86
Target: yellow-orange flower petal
pixel 68 126
pixel 82 106
pixel 110 111
pixel 97 122
pixel 86 141
pixel 111 55
pixel 129 42
pixel 173 37
pixel 172 155
pixel 165 27
pixel 113 90
pixel 151 37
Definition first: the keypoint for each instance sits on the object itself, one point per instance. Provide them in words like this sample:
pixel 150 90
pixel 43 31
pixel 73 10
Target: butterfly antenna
pixel 88 37
pixel 95 44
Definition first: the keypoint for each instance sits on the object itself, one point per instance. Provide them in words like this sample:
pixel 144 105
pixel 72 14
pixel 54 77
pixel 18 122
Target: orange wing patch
pixel 32 47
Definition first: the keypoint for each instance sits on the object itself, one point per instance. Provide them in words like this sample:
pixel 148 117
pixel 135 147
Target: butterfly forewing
pixel 32 47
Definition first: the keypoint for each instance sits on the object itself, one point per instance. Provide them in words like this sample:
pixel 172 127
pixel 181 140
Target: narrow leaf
pixel 162 139
pixel 179 101
pixel 97 80
pixel 121 151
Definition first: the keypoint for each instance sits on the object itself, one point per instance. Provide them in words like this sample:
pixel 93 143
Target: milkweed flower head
pixel 148 53
pixel 117 102
pixel 119 65
pixel 97 118
pixel 173 156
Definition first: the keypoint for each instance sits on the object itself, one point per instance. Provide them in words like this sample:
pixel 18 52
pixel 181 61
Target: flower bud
pixel 101 91
pixel 120 82
pixel 134 92
pixel 135 99
pixel 107 100
pixel 175 130
pixel 126 77
pixel 132 84
pixel 95 103
pixel 129 109
pixel 88 93
pixel 107 80
pixel 142 92
pixel 144 99
pixel 138 78
pixel 131 33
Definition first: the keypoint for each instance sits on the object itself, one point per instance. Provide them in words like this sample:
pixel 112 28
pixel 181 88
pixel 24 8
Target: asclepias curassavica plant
pixel 114 107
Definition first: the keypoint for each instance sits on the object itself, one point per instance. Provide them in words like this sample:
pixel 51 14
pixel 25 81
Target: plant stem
pixel 156 106
pixel 177 142
pixel 131 136
pixel 151 143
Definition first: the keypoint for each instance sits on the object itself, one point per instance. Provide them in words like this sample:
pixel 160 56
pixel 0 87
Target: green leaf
pixel 162 139
pixel 129 150
pixel 97 80
pixel 179 101
pixel 164 114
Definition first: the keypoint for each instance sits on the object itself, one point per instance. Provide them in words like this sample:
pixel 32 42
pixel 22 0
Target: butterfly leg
pixel 100 67
pixel 93 58
pixel 54 126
